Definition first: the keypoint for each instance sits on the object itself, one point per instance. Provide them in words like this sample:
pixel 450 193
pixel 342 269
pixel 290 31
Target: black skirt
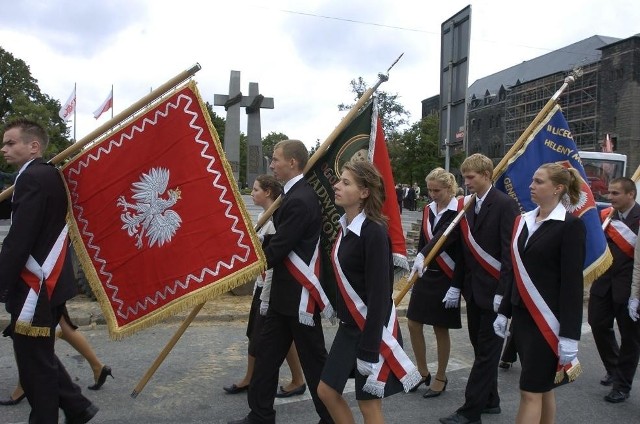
pixel 341 365
pixel 539 362
pixel 426 305
pixel 256 321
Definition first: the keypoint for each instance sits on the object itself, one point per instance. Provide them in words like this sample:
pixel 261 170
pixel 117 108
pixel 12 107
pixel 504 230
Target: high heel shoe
pixel 106 371
pixel 426 380
pixel 435 393
pixel 11 401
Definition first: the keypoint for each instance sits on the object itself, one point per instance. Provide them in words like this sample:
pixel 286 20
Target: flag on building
pixel 105 106
pixel 607 145
pixel 69 107
pixel 362 139
pixel 552 141
pixel 157 218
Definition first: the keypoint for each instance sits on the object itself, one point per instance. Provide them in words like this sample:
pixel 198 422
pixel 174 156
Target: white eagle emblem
pixel 151 215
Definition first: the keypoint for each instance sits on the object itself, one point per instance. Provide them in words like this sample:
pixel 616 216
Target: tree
pixel 416 151
pixel 271 140
pixel 218 122
pixel 392 113
pixel 20 96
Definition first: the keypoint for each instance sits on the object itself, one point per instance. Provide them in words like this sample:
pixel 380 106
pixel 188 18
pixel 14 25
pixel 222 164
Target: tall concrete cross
pixel 232 104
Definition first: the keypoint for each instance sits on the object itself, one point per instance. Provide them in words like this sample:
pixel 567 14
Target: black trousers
pixel 44 379
pixel 482 386
pixel 621 361
pixel 273 344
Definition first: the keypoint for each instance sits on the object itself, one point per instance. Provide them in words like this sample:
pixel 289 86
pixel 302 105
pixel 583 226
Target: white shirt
pixel 557 214
pixel 452 206
pixel 355 226
pixel 291 182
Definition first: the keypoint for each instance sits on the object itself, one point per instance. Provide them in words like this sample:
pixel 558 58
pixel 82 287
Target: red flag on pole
pixel 380 158
pixel 158 223
pixel 105 106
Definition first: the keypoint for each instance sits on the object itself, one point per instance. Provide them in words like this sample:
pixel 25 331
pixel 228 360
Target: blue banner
pixel 552 141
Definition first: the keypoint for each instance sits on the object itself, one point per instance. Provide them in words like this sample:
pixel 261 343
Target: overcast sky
pixel 302 53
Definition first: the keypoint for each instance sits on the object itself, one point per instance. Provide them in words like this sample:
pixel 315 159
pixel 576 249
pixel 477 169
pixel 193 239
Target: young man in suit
pixel 482 276
pixel 291 316
pixel 609 294
pixel 36 276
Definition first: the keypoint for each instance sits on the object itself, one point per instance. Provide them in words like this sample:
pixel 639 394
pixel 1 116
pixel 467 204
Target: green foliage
pixel 20 96
pixel 392 113
pixel 271 140
pixel 218 122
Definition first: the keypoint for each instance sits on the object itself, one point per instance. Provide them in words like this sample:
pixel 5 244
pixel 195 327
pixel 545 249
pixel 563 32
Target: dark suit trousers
pixel 44 379
pixel 510 353
pixel 482 386
pixel 621 360
pixel 273 344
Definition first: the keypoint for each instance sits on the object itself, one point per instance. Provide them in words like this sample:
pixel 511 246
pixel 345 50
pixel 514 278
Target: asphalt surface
pixel 187 387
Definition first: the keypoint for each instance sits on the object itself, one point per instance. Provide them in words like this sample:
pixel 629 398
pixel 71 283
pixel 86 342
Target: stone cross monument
pixel 232 104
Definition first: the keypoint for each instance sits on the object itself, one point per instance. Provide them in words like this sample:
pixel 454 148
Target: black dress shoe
pixel 492 410
pixel 11 401
pixel 456 418
pixel 234 389
pixel 426 380
pixel 607 380
pixel 84 416
pixel 244 420
pixel 616 396
pixel 435 393
pixel 505 365
pixel 104 372
pixel 282 393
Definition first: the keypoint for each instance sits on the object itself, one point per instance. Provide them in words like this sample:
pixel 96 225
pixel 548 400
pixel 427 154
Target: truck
pixel 601 168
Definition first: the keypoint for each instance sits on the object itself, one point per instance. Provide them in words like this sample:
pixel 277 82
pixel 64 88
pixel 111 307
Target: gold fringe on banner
pixel 194 298
pixel 26 329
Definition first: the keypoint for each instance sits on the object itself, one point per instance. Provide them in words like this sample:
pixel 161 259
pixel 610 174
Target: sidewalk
pixel 227 307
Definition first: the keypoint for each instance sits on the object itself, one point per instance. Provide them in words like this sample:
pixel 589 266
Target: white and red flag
pixel 105 106
pixel 69 107
pixel 158 221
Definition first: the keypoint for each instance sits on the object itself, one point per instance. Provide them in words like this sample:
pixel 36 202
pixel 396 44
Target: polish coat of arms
pixel 149 214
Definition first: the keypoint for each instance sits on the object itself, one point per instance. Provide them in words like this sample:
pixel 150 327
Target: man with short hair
pixel 36 276
pixel 293 313
pixel 482 274
pixel 609 294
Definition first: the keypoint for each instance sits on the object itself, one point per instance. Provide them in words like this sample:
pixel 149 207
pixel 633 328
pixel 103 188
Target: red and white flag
pixel 158 220
pixel 69 107
pixel 105 106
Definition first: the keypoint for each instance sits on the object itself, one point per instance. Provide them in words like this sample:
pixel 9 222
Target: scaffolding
pixel 579 103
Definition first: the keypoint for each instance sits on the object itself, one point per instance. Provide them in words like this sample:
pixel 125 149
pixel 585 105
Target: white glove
pixel 496 302
pixel 264 307
pixel 633 308
pixel 452 298
pixel 567 350
pixel 261 238
pixel 500 326
pixel 365 368
pixel 418 266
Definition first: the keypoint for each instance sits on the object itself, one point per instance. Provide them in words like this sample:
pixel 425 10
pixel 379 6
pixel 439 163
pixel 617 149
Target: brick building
pixel 604 100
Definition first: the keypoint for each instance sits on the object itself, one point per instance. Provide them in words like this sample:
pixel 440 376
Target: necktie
pixel 478 205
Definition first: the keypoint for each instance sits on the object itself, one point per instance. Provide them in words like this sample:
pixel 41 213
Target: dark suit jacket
pixel 618 276
pixel 298 222
pixel 39 208
pixel 492 231
pixel 554 259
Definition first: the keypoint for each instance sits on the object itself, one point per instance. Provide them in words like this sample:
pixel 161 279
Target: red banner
pixel 158 221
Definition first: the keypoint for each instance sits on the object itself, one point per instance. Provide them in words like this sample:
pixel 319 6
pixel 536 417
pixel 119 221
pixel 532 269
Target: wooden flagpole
pixel 496 171
pixel 635 177
pixel 312 160
pixel 117 120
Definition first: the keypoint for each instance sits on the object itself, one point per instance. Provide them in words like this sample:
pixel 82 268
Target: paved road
pixel 187 387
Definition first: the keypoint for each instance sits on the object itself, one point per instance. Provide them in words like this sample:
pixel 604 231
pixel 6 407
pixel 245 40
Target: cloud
pixel 80 28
